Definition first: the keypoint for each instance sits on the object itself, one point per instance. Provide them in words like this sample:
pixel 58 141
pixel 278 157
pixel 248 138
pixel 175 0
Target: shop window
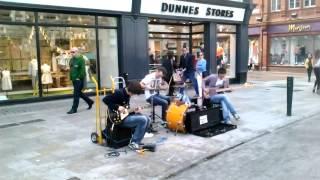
pixel 254 51
pixel 309 3
pixel 18 62
pixel 226 48
pixel 197 43
pixel 275 5
pixel 107 21
pixel 72 19
pixel 108 43
pixel 55 45
pixel 16 16
pixel 291 51
pixel 293 4
pixel 168 28
pixel 168 36
pixel 197 28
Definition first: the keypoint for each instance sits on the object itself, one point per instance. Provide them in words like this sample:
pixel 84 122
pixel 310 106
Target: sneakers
pixel 236 116
pixel 134 146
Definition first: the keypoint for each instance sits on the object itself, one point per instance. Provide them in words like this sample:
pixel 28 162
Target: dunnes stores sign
pixel 299 27
pixel 190 9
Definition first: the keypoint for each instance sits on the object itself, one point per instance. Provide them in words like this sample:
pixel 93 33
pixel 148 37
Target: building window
pixel 292 50
pixel 309 3
pixel 226 48
pixel 293 4
pixel 275 5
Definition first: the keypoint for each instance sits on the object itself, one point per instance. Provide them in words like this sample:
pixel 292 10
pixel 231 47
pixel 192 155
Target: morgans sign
pixel 299 27
pixel 189 9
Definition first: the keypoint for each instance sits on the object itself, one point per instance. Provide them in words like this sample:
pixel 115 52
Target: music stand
pixel 154 86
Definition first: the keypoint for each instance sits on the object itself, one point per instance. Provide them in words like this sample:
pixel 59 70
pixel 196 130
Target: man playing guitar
pixel 152 83
pixel 118 101
pixel 214 86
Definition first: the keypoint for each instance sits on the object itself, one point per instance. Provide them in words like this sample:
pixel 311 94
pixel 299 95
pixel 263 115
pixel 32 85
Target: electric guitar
pixel 117 117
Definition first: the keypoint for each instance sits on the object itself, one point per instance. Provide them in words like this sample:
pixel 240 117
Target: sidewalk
pixel 58 146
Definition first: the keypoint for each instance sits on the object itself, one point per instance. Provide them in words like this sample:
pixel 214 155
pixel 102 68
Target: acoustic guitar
pixel 117 117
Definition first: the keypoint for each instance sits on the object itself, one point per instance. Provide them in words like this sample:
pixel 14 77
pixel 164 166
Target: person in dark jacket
pixel 77 75
pixel 186 64
pixel 170 65
pixel 118 102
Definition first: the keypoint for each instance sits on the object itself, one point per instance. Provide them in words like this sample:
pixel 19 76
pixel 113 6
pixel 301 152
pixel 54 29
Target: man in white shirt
pixel 152 83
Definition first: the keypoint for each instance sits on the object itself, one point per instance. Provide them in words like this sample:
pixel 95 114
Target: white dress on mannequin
pixel 46 77
pixel 33 72
pixel 6 81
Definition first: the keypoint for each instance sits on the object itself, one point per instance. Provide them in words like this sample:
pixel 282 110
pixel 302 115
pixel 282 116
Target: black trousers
pixel 309 71
pixel 317 81
pixel 77 93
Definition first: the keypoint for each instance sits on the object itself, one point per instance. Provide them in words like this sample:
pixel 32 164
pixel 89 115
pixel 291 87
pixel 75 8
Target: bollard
pixel 289 95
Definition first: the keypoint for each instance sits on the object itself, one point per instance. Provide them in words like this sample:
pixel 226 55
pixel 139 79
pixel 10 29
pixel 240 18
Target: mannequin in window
pixel 6 83
pixel 87 78
pixel 219 54
pixel 33 73
pixel 46 77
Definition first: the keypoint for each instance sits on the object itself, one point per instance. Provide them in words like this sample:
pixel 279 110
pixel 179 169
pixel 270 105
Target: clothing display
pixel 33 72
pixel 54 63
pixel 63 61
pixel 6 81
pixel 46 77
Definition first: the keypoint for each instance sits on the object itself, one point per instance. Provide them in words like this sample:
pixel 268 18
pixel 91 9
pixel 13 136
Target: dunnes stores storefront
pixel 115 37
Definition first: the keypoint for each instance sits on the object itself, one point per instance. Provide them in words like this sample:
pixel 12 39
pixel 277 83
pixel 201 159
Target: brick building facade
pixel 283 32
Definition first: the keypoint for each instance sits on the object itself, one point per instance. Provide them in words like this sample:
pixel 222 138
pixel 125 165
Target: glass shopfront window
pixel 226 48
pixel 55 45
pixel 18 62
pixel 58 33
pixel 293 50
pixel 108 42
pixel 254 50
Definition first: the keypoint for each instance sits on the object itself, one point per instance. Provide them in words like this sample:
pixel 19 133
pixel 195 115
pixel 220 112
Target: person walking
pixel 308 63
pixel 77 75
pixel 170 65
pixel 187 65
pixel 316 70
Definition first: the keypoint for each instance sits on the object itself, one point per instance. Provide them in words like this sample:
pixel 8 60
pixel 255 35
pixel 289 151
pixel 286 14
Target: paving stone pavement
pixel 60 148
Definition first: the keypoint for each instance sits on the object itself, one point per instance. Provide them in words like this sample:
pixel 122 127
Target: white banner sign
pixel 190 9
pixel 112 5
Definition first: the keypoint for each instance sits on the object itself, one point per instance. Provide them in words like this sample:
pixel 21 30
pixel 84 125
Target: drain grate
pixel 8 125
pixel 32 121
pixel 74 178
pixel 21 123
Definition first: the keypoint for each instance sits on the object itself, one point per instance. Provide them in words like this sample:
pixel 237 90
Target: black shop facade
pixel 116 38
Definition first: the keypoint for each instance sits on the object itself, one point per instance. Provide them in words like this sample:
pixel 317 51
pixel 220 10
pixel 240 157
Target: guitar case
pixel 118 136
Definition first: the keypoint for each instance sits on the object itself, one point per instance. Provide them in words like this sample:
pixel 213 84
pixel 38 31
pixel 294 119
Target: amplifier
pixel 203 119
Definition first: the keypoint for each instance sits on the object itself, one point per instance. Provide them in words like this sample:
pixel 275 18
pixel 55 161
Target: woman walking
pixel 316 71
pixel 308 64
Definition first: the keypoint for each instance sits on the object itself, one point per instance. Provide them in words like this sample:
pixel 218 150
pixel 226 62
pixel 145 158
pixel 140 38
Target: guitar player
pixel 214 87
pixel 118 102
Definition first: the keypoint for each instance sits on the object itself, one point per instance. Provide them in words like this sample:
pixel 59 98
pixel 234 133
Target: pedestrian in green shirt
pixel 77 75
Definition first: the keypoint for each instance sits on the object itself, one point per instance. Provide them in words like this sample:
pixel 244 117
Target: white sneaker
pixel 236 117
pixel 148 135
pixel 134 146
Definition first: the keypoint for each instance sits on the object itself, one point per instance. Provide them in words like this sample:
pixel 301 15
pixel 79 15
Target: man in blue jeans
pixel 118 102
pixel 187 65
pixel 213 87
pixel 151 84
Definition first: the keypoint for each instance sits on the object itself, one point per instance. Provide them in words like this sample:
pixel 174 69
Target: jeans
pixel 190 75
pixel 77 93
pixel 140 124
pixel 161 100
pixel 227 107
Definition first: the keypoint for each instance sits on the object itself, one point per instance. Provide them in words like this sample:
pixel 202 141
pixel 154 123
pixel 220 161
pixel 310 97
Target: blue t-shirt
pixel 201 66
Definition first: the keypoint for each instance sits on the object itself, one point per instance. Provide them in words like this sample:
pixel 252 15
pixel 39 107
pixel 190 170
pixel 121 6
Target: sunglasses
pixel 72 52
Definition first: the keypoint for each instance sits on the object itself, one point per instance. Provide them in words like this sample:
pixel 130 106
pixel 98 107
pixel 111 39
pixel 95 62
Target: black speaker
pixel 118 136
pixel 202 119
